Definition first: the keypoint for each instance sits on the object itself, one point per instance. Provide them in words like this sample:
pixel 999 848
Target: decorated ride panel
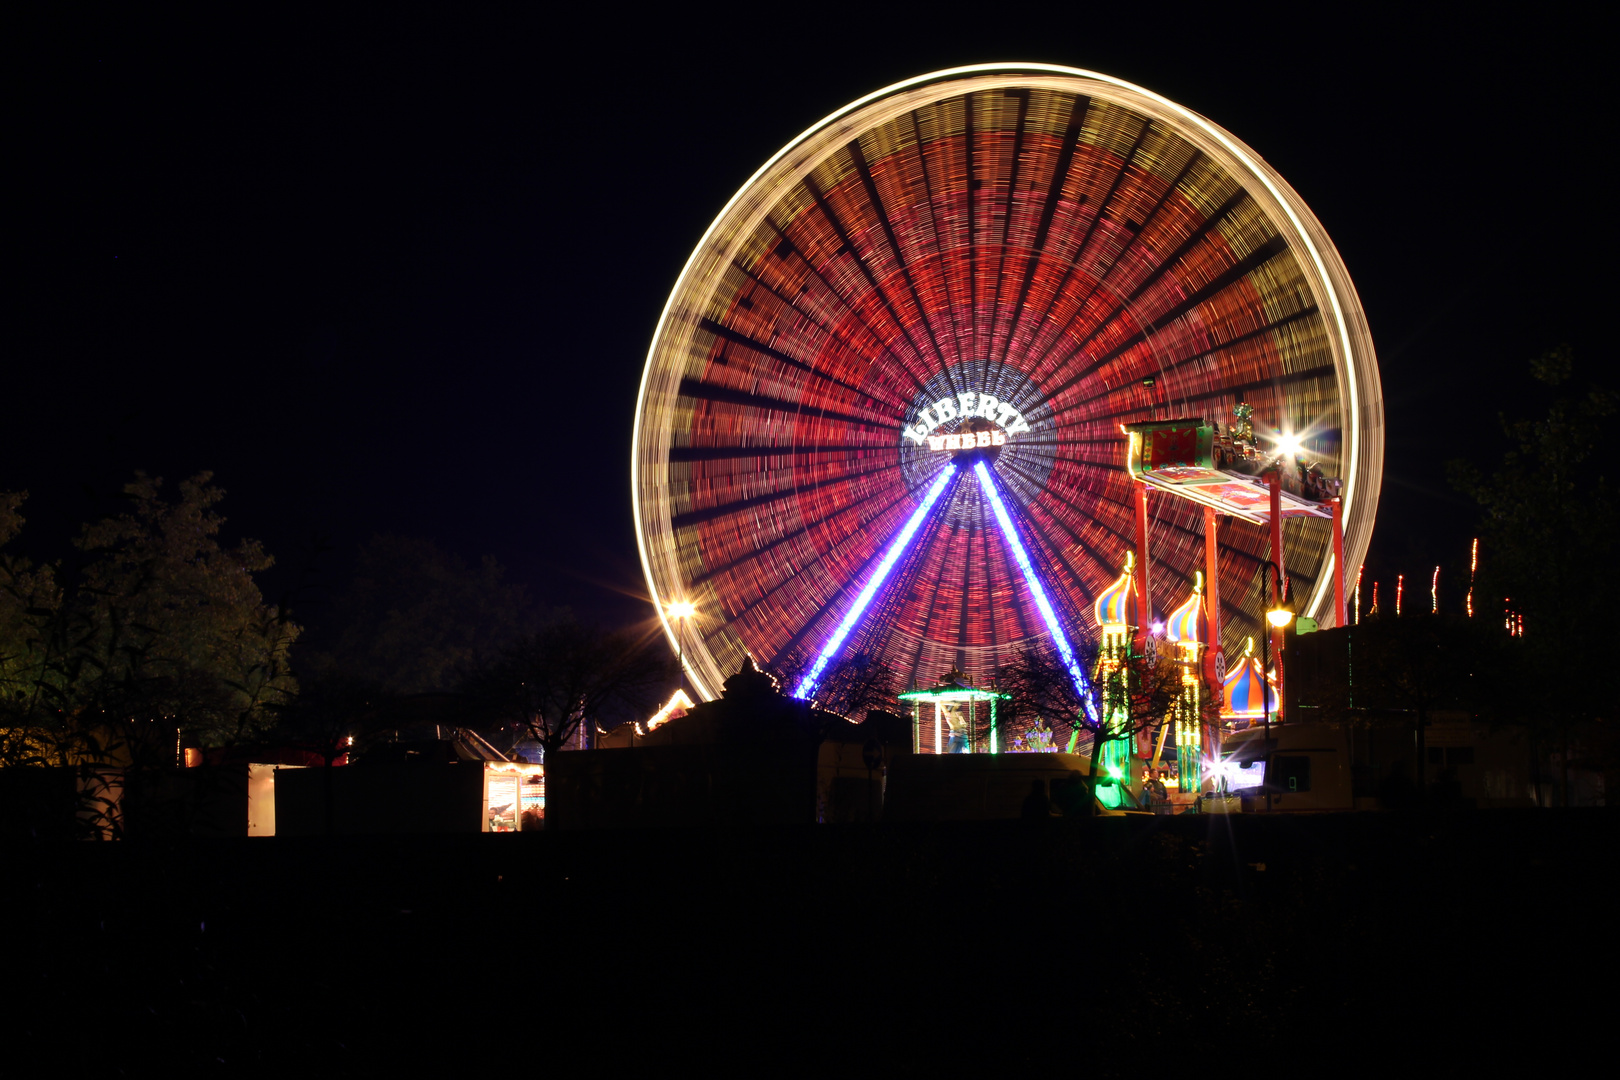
pixel 1195 460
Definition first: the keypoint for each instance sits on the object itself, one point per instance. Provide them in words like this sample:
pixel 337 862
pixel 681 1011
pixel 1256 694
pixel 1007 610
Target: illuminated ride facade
pixel 887 402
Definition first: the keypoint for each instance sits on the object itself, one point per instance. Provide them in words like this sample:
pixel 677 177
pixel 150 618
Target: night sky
pixel 400 274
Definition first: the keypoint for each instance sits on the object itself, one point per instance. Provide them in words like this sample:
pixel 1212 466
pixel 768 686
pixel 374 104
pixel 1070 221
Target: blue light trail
pixel 808 684
pixel 1081 685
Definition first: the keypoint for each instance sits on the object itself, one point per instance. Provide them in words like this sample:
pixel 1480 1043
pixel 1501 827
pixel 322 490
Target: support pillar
pixel 1212 599
pixel 1339 617
pixel 1274 485
pixel 1210 749
pixel 1144 600
pixel 1144 590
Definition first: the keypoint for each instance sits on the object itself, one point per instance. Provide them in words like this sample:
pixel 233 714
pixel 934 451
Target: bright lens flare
pixel 1288 446
pixel 682 609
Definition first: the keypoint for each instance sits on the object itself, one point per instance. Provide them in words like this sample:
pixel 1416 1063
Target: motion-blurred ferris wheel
pixel 884 404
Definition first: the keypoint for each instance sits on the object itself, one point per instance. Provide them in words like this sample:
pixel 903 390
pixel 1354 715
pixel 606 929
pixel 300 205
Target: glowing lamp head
pixel 682 609
pixel 1279 617
pixel 1288 447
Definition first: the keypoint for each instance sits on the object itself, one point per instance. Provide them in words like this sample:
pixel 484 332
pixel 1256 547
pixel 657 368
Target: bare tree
pixel 851 686
pixel 567 675
pixel 1122 694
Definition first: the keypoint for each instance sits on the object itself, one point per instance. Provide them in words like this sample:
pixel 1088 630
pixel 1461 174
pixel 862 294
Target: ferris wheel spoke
pixel 1160 266
pixel 736 337
pixel 705 391
pixel 1008 207
pixel 826 524
pixel 1102 208
pixel 1054 194
pixel 875 288
pixel 832 553
pixel 849 348
pixel 1225 346
pixel 737 506
pixel 785 247
pixel 1231 276
pixel 853 149
pixel 920 166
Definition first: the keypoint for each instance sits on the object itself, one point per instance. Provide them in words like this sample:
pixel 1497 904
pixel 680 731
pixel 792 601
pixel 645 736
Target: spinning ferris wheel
pixel 884 409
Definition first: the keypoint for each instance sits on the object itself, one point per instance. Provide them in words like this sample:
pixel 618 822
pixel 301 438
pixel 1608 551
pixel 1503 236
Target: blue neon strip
pixel 1081 684
pixel 872 586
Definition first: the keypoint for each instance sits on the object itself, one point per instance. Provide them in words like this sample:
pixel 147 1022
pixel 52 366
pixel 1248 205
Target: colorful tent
pixel 1240 694
pixel 1182 625
pixel 1114 603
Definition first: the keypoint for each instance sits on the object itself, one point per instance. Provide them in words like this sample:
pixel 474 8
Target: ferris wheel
pixel 884 408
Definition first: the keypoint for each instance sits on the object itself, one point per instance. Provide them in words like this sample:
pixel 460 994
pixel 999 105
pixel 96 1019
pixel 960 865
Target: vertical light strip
pixel 1081 685
pixel 897 547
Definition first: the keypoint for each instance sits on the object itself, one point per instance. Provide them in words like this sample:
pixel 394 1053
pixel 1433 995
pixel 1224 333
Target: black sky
pixel 398 271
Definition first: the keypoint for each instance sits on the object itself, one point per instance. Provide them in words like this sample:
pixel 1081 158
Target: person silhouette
pixel 1037 807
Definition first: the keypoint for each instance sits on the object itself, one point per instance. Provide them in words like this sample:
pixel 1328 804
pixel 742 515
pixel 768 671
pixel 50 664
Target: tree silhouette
pixel 1125 693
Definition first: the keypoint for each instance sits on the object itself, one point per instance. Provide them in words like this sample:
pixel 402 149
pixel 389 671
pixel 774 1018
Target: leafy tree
pixel 1550 518
pixel 416 618
pixel 155 627
pixel 28 593
pixel 1125 694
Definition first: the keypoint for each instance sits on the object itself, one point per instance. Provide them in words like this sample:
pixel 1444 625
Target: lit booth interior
pixel 954 718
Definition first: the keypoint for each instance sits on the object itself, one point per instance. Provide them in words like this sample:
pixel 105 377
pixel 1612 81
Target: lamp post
pixel 1279 616
pixel 680 611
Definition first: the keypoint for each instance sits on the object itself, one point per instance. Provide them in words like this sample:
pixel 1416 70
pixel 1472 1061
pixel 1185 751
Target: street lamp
pixel 1279 613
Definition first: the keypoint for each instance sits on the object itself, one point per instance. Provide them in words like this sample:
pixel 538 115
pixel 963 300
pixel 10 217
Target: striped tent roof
pixel 1182 625
pixel 1240 695
pixel 1113 605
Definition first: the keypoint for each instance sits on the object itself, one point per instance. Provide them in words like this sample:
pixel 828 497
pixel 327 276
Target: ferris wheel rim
pixel 1354 357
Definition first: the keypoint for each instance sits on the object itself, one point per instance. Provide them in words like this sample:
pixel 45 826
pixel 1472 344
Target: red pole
pixel 1212 621
pixel 1212 597
pixel 1339 617
pixel 1274 483
pixel 1144 596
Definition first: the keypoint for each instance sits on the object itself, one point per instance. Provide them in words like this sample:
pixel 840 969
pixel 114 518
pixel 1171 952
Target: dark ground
pixel 1366 943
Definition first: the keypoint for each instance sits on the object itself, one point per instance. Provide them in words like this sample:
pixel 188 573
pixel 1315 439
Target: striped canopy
pixel 1240 696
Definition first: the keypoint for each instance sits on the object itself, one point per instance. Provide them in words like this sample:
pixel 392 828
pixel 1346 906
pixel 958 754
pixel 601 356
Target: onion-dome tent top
pixel 1113 603
pixel 1182 623
pixel 1059 252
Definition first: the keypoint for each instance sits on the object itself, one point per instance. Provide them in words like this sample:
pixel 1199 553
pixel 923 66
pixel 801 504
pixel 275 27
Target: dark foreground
pixel 1365 942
